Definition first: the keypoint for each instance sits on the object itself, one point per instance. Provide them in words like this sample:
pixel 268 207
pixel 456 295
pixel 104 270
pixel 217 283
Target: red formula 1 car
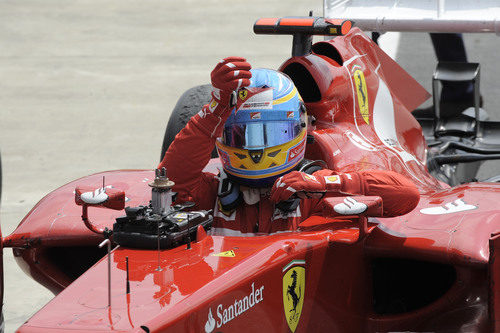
pixel 434 269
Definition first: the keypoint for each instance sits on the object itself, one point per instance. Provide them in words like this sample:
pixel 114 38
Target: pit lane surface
pixel 87 86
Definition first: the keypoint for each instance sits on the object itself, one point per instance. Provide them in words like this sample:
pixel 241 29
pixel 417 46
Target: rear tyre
pixel 189 104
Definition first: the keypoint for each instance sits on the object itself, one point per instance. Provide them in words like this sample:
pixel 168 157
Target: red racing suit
pixel 190 152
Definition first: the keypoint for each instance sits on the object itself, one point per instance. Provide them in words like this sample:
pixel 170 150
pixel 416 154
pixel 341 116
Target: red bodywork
pixel 433 269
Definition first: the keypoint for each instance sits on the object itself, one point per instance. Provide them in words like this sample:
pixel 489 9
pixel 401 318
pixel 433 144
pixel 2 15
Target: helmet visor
pixel 261 135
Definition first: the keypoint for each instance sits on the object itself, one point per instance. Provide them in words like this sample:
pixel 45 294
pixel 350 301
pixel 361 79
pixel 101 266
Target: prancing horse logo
pixel 294 282
pixel 362 93
pixel 291 292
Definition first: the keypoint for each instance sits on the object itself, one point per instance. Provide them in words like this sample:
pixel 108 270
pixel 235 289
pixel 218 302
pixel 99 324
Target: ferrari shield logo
pixel 243 93
pixel 362 92
pixel 294 283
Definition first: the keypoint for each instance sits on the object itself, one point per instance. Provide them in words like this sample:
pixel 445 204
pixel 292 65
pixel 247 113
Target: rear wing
pixel 417 15
pixel 302 29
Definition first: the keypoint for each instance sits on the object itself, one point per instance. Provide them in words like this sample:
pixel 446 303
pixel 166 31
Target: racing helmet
pixel 265 135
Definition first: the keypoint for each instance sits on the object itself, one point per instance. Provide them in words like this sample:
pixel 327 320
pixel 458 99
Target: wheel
pixel 189 104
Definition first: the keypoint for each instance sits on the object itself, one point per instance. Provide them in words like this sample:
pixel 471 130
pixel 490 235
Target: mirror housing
pixel 102 197
pixel 353 206
pixel 345 209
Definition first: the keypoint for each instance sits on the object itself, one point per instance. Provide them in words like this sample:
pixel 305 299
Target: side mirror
pixel 102 197
pixel 356 208
pixel 353 206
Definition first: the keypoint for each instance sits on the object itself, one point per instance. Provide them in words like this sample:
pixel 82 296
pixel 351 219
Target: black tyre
pixel 189 104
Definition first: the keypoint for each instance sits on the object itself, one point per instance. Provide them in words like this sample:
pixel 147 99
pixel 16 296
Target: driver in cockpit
pixel 258 122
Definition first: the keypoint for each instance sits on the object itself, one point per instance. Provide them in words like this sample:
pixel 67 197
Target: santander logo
pixel 210 324
pixel 297 151
pixel 228 312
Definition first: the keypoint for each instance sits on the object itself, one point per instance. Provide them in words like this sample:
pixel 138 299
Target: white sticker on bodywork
pixel 452 207
pixel 350 207
pixel 359 142
pixel 97 197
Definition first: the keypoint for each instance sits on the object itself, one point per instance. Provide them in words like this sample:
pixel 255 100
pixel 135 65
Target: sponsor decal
pixel 393 143
pixel 452 207
pixel 210 324
pixel 242 94
pixel 256 105
pixel 359 142
pixel 181 216
pixel 334 179
pixel 213 105
pixel 227 312
pixel 254 115
pixel 350 207
pixel 294 152
pixel 228 254
pixel 290 114
pixel 251 99
pixel 310 177
pixel 294 285
pixel 202 112
pixel 224 158
pixel 362 93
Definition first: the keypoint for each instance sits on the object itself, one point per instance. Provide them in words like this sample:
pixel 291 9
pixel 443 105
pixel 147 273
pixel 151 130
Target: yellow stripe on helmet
pixel 286 98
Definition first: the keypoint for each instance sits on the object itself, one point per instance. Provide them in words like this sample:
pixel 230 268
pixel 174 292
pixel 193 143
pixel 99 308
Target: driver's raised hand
pixel 228 76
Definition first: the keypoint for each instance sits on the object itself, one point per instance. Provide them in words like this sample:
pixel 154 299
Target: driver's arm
pixel 399 195
pixel 185 159
pixel 190 152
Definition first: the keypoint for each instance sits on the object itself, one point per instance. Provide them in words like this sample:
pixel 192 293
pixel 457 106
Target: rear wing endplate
pixel 452 16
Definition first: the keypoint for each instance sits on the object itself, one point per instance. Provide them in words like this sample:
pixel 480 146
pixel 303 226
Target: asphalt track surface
pixel 87 86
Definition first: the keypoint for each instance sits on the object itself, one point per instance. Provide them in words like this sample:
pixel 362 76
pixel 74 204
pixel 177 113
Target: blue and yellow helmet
pixel 265 135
